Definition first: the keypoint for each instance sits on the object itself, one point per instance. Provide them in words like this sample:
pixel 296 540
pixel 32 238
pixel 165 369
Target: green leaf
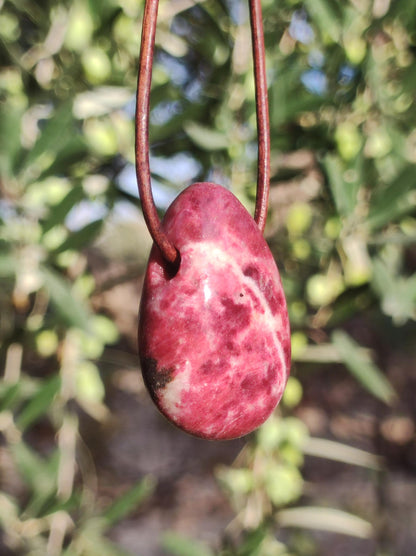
pixel 39 404
pixel 361 366
pixel 398 294
pixel 287 100
pixel 325 519
pixel 7 265
pixel 337 451
pixel 393 201
pixel 36 471
pixel 206 138
pixel 344 194
pixel 252 542
pixel 60 211
pixel 129 501
pixel 81 238
pixel 10 146
pixel 56 133
pixel 101 100
pixel 9 393
pixel 179 546
pixel 325 15
pixel 90 540
pixel 54 505
pixel 68 306
pixel 70 153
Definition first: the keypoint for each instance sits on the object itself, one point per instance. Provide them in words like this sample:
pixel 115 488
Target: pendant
pixel 214 338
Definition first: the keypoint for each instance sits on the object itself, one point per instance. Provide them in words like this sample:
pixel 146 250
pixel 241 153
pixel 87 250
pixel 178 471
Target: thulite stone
pixel 214 338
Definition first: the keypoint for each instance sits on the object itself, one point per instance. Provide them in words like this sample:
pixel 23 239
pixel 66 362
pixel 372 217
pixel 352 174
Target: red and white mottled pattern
pixel 214 339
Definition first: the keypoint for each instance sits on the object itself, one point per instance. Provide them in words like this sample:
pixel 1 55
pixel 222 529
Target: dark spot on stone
pixel 252 272
pixel 206 367
pixel 250 383
pixel 155 378
pixel 211 368
pixel 236 314
pixel 232 348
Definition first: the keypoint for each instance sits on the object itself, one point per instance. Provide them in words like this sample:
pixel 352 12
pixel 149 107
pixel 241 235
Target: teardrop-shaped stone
pixel 214 338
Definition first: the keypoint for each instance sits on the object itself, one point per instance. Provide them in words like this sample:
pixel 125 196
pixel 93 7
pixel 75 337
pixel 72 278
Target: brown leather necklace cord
pixel 262 113
pixel 144 81
pixel 168 250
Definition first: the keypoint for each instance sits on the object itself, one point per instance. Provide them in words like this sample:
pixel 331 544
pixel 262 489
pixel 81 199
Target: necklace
pixel 214 337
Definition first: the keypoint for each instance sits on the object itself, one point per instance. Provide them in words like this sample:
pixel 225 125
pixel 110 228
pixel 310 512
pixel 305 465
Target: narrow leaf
pixel 10 146
pixel 33 468
pixel 7 265
pixel 56 505
pixel 179 546
pixel 71 152
pixel 54 135
pixel 39 403
pixel 361 366
pixel 341 192
pixel 393 201
pixel 325 519
pixel 206 138
pixel 71 309
pixel 81 238
pixel 326 17
pixel 8 395
pixel 336 451
pixel 253 542
pixel 398 294
pixel 129 501
pixel 60 211
pixel 93 541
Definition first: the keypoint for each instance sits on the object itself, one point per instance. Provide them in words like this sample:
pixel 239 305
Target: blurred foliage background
pixel 334 468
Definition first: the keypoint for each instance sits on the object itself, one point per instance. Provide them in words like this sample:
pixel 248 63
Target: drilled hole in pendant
pixel 171 269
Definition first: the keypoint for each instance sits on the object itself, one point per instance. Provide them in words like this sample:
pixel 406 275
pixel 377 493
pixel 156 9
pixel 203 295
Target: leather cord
pixel 168 250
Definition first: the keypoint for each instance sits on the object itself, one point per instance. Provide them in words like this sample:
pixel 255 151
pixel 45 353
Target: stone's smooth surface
pixel 214 339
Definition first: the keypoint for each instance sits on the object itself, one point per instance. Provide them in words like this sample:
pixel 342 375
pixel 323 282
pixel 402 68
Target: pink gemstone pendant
pixel 214 338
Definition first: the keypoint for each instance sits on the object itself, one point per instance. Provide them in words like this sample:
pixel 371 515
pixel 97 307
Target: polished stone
pixel 214 338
